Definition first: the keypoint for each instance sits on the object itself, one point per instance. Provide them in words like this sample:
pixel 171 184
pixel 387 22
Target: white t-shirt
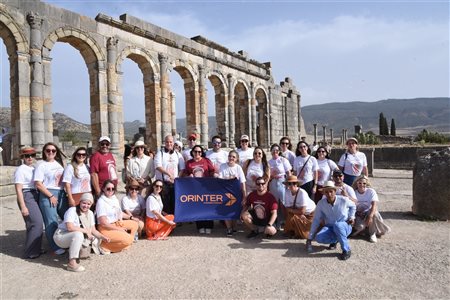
pixel 141 167
pixel 134 206
pixel 70 216
pixel 154 202
pixel 303 200
pixel 354 163
pixel 290 156
pixel 217 158
pixel 365 200
pixel 279 167
pixel 348 189
pixel 172 163
pixel 108 207
pixel 50 174
pixel 186 153
pixel 254 170
pixel 81 184
pixel 227 172
pixel 244 155
pixel 24 176
pixel 307 174
pixel 326 167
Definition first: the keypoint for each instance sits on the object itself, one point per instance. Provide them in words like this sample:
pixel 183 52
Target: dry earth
pixel 412 262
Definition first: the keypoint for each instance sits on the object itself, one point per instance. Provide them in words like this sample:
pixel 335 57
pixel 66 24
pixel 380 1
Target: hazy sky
pixel 335 51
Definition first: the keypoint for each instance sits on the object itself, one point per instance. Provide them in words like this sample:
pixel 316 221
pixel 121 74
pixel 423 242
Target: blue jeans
pixel 337 232
pixel 278 190
pixel 349 179
pixel 50 214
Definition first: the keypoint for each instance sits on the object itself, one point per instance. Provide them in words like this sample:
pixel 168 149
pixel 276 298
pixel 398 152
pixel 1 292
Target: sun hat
pixel 104 138
pixel 27 150
pixel 292 178
pixel 351 139
pixel 244 137
pixel 87 197
pixel 132 183
pixel 140 144
pixel 192 137
pixel 179 144
pixel 328 185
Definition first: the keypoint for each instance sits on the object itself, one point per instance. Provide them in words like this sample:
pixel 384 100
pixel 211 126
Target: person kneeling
pixel 260 210
pixel 299 209
pixel 338 214
pixel 158 224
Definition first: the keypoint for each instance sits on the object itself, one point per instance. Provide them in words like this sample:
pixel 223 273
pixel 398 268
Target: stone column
pixel 173 116
pixel 269 119
pixel 232 144
pixel 38 129
pixel 203 105
pixel 331 136
pixel 254 122
pixel 343 137
pixel 113 101
pixel 165 124
pixel 324 128
pixel 315 132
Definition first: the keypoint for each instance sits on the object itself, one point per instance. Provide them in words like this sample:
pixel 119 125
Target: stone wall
pixel 431 185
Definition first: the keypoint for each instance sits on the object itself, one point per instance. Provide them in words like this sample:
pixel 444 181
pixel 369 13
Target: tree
pixel 393 127
pixel 383 127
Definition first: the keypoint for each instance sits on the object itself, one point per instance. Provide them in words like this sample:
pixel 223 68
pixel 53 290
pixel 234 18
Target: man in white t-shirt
pixel 342 188
pixel 192 141
pixel 217 155
pixel 169 164
pixel 245 152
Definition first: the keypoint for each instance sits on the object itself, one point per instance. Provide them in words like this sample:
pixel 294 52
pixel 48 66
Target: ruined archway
pixel 262 131
pixel 242 118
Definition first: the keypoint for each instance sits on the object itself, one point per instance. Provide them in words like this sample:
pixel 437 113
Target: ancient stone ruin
pixel 431 186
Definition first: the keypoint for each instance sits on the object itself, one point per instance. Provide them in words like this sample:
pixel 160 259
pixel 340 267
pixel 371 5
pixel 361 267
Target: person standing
pixel 254 168
pixel 192 141
pixel 169 164
pixel 102 166
pixel 286 149
pixel 306 168
pixel 245 152
pixel 353 163
pixel 217 155
pixel 326 168
pixel 338 214
pixel 77 179
pixel 141 168
pixel 27 199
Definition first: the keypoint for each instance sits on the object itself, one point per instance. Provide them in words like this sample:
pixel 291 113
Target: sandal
pixel 78 268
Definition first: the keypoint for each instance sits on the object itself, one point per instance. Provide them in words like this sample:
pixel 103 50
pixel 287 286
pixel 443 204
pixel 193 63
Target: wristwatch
pixel 268 224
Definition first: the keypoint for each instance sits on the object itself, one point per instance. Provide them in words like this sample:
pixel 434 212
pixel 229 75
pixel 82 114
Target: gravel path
pixel 412 262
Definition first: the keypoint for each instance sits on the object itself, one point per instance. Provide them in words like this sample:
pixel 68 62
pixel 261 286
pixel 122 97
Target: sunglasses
pixel 105 144
pixel 158 186
pixel 217 143
pixel 260 183
pixel 321 151
pixel 363 183
pixel 81 154
pixel 110 189
pixel 134 189
pixel 284 143
pixel 140 147
pixel 257 153
pixel 29 155
pixel 291 183
pixel 50 150
pixel 196 151
pixel 244 141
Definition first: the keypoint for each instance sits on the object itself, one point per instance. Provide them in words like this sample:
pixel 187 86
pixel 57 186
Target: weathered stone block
pixel 431 186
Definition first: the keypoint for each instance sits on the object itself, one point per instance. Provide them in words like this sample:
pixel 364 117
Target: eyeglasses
pixel 257 153
pixel 29 155
pixel 50 150
pixel 260 183
pixel 105 144
pixel 217 143
pixel 321 151
pixel 81 154
pixel 109 189
pixel 363 183
pixel 285 143
pixel 139 147
pixel 158 186
pixel 244 141
pixel 291 183
pixel 197 151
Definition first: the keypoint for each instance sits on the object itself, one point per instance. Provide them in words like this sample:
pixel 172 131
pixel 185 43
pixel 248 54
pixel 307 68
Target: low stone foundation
pixel 431 185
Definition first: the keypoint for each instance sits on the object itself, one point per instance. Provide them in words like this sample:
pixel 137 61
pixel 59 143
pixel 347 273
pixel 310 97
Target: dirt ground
pixel 412 262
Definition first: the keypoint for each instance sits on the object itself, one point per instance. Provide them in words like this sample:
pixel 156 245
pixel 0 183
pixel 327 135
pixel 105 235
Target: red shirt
pixel 104 165
pixel 202 168
pixel 262 204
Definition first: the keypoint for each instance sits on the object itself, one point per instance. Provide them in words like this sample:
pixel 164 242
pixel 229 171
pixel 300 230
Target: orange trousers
pixel 157 229
pixel 120 240
pixel 300 227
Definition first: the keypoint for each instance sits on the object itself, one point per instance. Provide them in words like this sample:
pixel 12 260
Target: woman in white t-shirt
pixel 77 179
pixel 141 167
pixel 110 220
pixel 232 170
pixel 353 163
pixel 27 198
pixel 286 149
pixel 158 224
pixel 326 168
pixel 306 168
pixel 78 228
pixel 254 168
pixel 133 204
pixel 367 215
pixel 52 198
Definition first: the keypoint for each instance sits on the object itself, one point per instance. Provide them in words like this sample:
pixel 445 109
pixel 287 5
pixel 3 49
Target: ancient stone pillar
pixel 36 85
pixel 343 137
pixel 269 118
pixel 231 101
pixel 165 124
pixel 113 97
pixel 173 116
pixel 203 105
pixel 324 127
pixel 315 132
pixel 331 137
pixel 254 122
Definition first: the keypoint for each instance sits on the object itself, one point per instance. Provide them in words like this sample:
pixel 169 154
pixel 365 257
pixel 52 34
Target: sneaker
pixel 60 251
pixel 229 232
pixel 345 255
pixel 373 238
pixel 252 234
pixel 103 251
pixel 78 268
pixel 208 230
pixel 332 246
pixel 202 231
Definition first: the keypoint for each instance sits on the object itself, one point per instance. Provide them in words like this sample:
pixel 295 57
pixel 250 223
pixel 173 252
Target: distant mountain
pixel 410 115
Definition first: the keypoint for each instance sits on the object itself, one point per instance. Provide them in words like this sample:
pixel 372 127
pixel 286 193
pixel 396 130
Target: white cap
pixel 244 137
pixel 104 138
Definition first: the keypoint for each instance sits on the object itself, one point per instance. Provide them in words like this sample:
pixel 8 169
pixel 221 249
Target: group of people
pixel 312 197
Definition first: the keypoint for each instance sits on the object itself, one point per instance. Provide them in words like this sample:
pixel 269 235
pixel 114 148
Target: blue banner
pixel 198 199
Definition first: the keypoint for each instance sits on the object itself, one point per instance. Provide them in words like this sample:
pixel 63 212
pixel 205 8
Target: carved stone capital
pixel 112 42
pixel 34 20
pixel 163 58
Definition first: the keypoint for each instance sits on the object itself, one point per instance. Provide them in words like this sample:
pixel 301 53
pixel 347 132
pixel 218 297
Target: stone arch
pixel 150 71
pixel 191 93
pixel 95 59
pixel 17 49
pixel 242 109
pixel 262 116
pixel 220 95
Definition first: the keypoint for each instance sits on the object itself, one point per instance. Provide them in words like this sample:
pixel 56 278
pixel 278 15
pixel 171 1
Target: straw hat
pixel 292 178
pixel 132 183
pixel 327 186
pixel 27 150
